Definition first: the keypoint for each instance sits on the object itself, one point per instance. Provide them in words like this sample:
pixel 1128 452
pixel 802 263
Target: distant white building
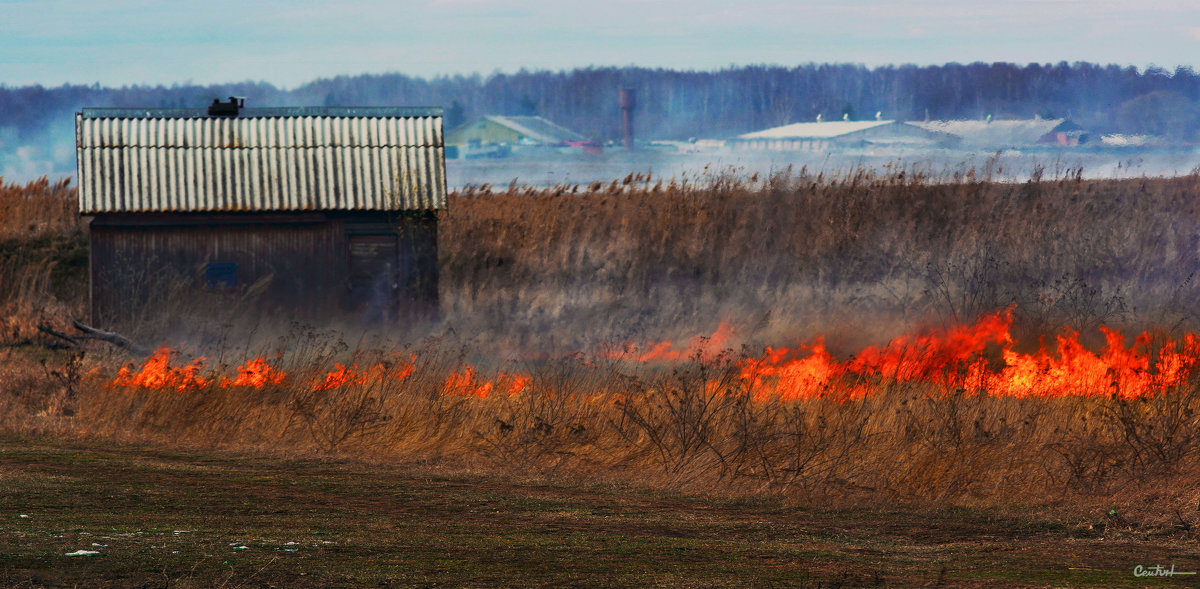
pixel 496 136
pixel 1119 140
pixel 831 135
pixel 525 130
pixel 1001 134
pixel 690 146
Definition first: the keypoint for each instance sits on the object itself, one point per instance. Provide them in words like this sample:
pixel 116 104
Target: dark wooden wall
pixel 380 266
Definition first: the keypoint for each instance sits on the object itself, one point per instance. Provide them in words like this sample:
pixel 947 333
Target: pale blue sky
pixel 119 42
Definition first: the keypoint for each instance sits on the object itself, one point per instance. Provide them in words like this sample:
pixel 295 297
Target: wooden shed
pixel 319 212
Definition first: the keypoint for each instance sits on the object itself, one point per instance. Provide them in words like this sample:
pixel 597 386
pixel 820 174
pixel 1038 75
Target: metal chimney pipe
pixel 628 101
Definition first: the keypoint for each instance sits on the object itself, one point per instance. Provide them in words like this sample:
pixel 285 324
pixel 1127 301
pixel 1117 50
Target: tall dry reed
pixel 858 257
pixel 43 257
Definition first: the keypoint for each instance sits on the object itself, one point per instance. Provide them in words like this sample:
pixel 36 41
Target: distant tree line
pixel 682 104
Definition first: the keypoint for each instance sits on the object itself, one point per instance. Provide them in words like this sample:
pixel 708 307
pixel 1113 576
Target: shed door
pixel 373 270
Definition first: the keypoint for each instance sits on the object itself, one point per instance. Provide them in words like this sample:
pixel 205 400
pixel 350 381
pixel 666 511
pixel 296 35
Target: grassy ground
pixel 158 517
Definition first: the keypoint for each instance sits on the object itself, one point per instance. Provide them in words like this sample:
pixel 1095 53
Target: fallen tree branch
pixel 87 332
pixel 75 343
pixel 111 337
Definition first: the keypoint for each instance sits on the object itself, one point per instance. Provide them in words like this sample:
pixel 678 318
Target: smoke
pixel 25 157
pixel 1004 166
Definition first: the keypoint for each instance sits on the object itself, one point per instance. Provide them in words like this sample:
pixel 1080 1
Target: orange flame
pixel 978 358
pixel 255 373
pixel 342 375
pixel 932 356
pixel 666 351
pixel 513 383
pixel 157 373
pixel 465 384
pixel 794 379
pixel 956 357
pixel 1125 372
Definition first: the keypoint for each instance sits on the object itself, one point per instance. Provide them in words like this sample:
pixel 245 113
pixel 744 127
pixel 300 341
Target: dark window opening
pixel 221 274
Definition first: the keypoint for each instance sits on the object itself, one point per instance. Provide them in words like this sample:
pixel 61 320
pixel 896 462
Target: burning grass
pixel 874 339
pixel 938 416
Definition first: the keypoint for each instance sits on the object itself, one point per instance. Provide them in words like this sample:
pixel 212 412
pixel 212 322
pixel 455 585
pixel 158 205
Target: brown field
pixel 552 301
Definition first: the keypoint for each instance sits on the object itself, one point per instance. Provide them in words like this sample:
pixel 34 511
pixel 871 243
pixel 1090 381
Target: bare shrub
pixel 1161 433
pixel 681 417
pixel 558 419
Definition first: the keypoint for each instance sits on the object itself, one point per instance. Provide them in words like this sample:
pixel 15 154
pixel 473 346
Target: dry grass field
pixel 1021 351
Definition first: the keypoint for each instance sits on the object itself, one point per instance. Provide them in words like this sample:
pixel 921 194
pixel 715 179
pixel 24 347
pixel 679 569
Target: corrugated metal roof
pixel 825 130
pixel 181 160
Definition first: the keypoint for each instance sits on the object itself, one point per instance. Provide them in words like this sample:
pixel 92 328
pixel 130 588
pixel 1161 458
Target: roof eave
pixel 284 111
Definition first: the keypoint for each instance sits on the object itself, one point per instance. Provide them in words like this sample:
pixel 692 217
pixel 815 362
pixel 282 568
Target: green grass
pixel 179 518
